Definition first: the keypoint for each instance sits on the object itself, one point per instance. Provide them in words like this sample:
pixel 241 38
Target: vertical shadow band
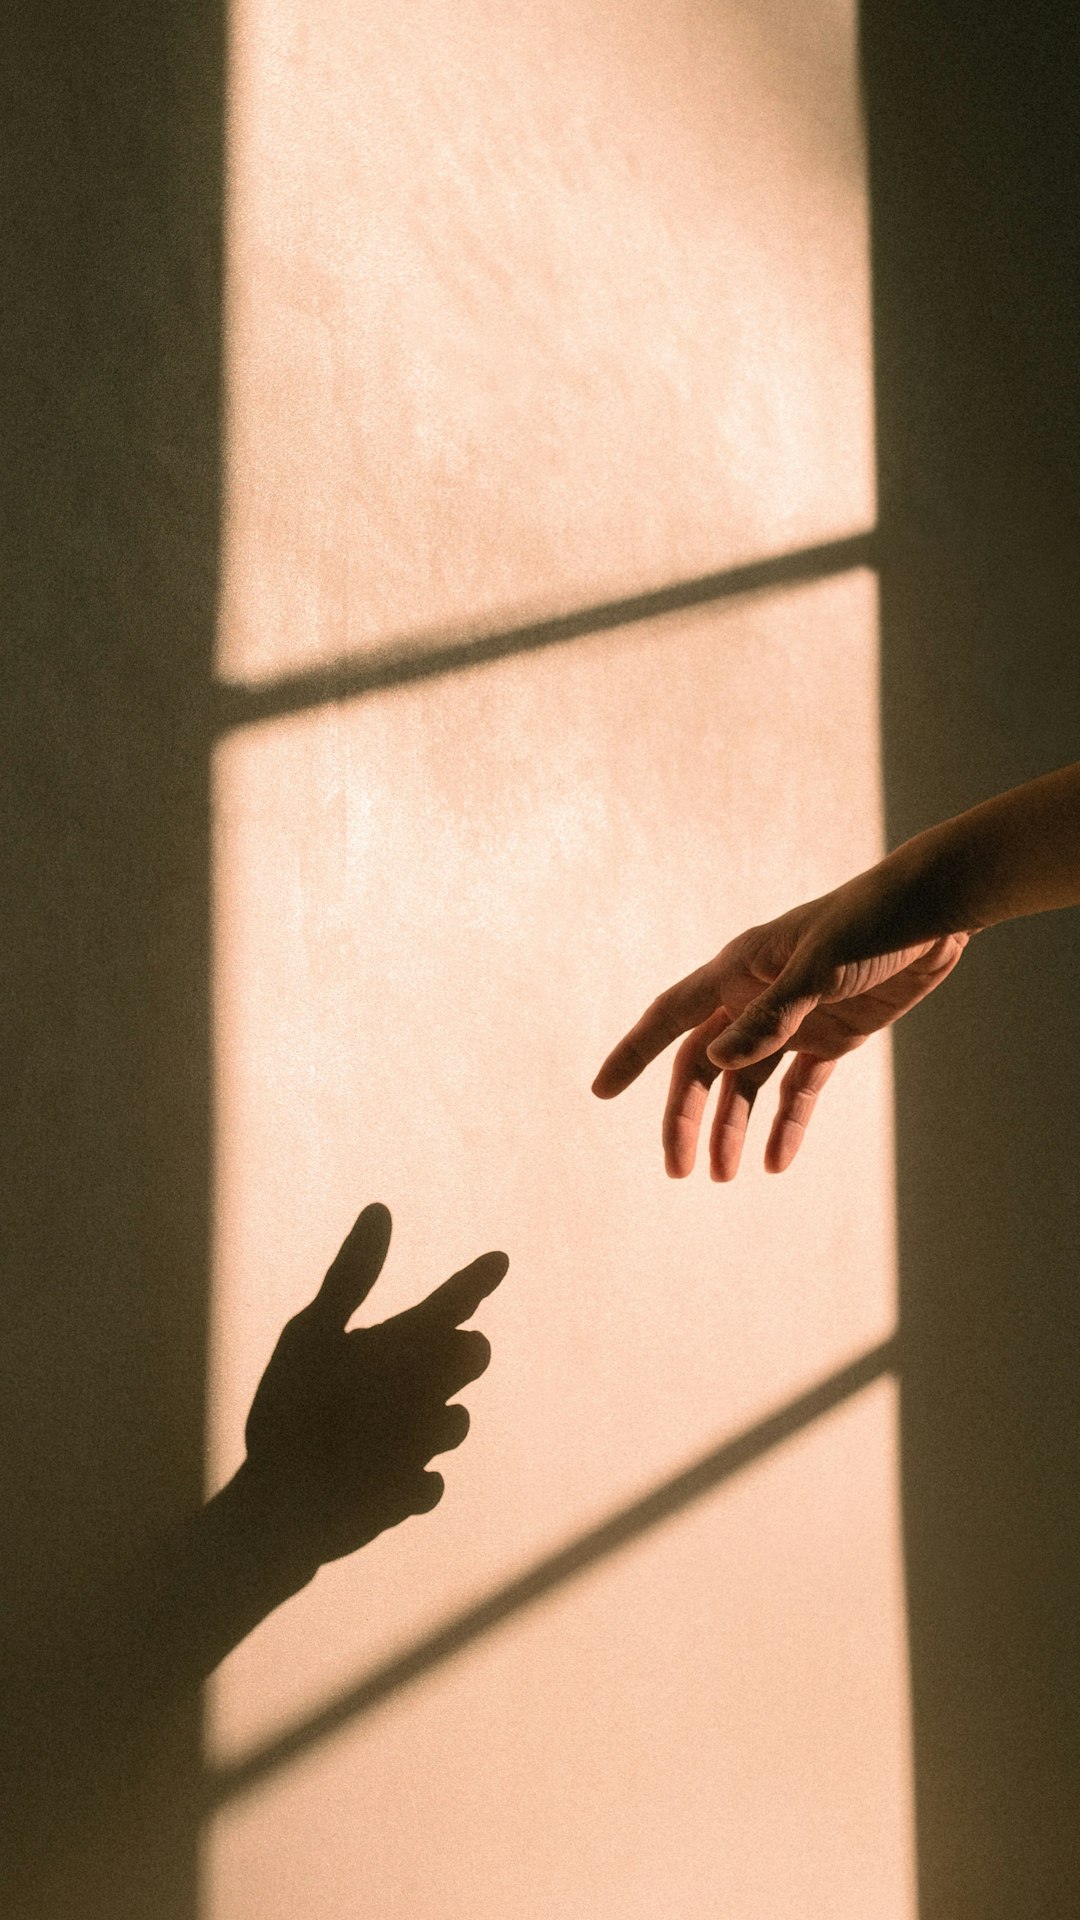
pixel 975 179
pixel 110 326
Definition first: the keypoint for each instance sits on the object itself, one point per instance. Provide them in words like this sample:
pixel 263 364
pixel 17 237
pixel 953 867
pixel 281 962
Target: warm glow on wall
pixel 531 308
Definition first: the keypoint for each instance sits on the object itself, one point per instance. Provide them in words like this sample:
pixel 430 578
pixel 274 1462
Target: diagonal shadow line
pixel 555 1570
pixel 425 657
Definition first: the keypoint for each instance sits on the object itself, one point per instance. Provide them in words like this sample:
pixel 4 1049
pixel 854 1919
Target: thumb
pixel 768 1023
pixel 354 1269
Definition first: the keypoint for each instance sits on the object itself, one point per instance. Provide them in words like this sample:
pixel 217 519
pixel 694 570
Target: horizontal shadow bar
pixel 425 657
pixel 228 1783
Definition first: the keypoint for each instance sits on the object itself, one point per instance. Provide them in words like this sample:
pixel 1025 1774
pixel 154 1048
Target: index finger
pixel 684 1005
pixel 458 1298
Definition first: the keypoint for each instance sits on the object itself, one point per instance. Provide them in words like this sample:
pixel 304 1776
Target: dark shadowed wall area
pixel 109 343
pixel 521 629
pixel 975 176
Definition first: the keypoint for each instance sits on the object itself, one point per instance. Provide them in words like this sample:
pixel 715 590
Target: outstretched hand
pixel 814 983
pixel 345 1421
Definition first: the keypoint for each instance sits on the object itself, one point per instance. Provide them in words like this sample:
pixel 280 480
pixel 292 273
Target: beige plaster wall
pixel 529 307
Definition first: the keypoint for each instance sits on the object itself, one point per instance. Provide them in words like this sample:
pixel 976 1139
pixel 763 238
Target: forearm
pixel 1014 855
pixel 100 1680
pixel 234 1563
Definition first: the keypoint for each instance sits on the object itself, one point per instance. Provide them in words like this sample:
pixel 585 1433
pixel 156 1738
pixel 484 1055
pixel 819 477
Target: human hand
pixel 344 1421
pixel 816 982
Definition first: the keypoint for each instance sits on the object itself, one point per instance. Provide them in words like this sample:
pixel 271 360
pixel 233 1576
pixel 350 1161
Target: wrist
pixel 935 879
pixel 912 897
pixel 265 1532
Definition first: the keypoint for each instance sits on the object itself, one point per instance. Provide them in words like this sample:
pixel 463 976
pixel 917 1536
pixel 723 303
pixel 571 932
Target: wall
pixel 110 226
pixel 533 312
pixel 442 451
pixel 975 165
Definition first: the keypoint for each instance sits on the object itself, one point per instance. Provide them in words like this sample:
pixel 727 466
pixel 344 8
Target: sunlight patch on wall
pixel 532 306
pixel 435 908
pixel 713 1724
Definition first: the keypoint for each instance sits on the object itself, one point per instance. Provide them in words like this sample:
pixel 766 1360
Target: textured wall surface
pixel 111 144
pixel 527 309
pixel 975 152
pixel 437 609
pixel 531 306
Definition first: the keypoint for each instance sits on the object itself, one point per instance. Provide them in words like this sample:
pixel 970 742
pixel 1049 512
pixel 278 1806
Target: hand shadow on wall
pixel 340 1433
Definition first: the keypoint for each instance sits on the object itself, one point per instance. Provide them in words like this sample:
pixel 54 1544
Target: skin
pixel 819 980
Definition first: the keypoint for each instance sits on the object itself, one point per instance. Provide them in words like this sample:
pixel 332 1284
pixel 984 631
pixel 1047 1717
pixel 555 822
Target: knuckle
pixel 301 1326
pixel 762 1019
pixel 475 1348
pixel 429 1492
pixel 633 1057
pixel 481 1348
pixel 659 1025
